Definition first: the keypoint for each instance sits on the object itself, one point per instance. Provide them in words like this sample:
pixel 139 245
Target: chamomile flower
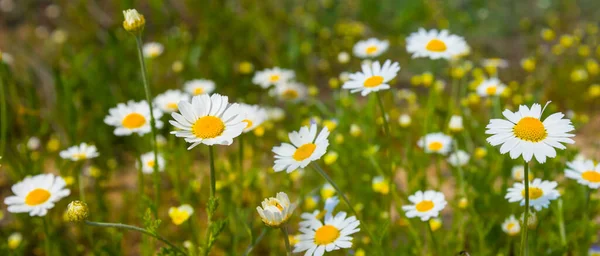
pixel 276 211
pixel 208 120
pixel 540 193
pixel 435 45
pixel 132 117
pixel 490 87
pixel 167 101
pixel 290 91
pixel 456 124
pixel 425 205
pixel 370 48
pixel 152 50
pixel 272 76
pixel 306 147
pixel 180 214
pixel 330 235
pixel 199 86
pixel 253 116
pixel 511 226
pixel 436 143
pixel 518 172
pixel 79 152
pixel 380 185
pixel 148 162
pixel 459 158
pixel 14 240
pixel 36 195
pixel 134 21
pixel 585 172
pixel 525 134
pixel 373 77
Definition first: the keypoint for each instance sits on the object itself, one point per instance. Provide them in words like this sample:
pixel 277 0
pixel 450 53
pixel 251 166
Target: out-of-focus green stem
pixel 212 172
pixel 386 125
pixel 525 228
pixel 258 239
pixel 3 122
pixel 286 238
pixel 47 241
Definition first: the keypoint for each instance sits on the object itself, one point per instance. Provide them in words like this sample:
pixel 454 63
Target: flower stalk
pixel 524 234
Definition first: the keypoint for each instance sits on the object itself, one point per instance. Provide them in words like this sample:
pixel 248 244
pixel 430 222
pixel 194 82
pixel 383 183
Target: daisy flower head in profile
pixel 524 133
pixel 167 101
pixel 152 50
pixel 36 195
pixel 540 193
pixel 272 76
pixel 585 172
pixel 134 21
pixel 435 44
pixel 459 158
pixel 438 143
pixel 425 205
pixel 370 48
pixel 332 234
pixel 148 162
pixel 306 146
pixel 208 120
pixel 290 91
pixel 372 78
pixel 275 211
pixel 490 87
pixel 511 226
pixel 132 117
pixel 199 86
pixel 254 116
pixel 79 152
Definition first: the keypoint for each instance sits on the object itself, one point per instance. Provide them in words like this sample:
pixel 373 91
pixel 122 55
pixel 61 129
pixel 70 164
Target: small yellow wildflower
pixel 463 202
pixel 435 223
pixel 330 158
pixel 313 91
pixel 355 130
pixel 427 79
pixel 567 40
pixel 592 67
pixel 528 64
pixel 245 67
pixel 180 214
pixel 584 50
pixel 14 240
pixel 380 185
pixel 480 152
pixel 548 34
pixel 331 124
pixel 53 145
pixel 579 75
pixel 594 91
pixel 177 66
pixel 327 191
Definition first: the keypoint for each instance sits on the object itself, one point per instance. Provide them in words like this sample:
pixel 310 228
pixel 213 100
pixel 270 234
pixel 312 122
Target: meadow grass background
pixel 69 69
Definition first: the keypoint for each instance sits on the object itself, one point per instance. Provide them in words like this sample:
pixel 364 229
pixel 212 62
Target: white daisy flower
pixel 208 120
pixel 404 120
pixel 306 147
pixel 456 124
pixel 36 195
pixel 79 152
pixel 343 57
pixel 167 101
pixel 370 48
pixel 132 117
pixel 425 205
pixel 495 62
pixel 333 234
pixel 436 143
pixel 585 172
pixel 490 87
pixel 254 116
pixel 459 158
pixel 435 45
pixel 373 77
pixel 290 91
pixel 34 143
pixel 511 226
pixel 518 173
pixel 540 193
pixel 152 50
pixel 148 163
pixel 272 76
pixel 312 219
pixel 525 134
pixel 276 210
pixel 275 114
pixel 199 86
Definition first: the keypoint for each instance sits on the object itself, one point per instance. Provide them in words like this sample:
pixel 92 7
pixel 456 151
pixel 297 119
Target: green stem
pixel 47 241
pixel 586 218
pixel 561 224
pixel 134 228
pixel 385 121
pixel 81 186
pixel 212 172
pixel 241 156
pixel 525 228
pixel 3 122
pixel 286 238
pixel 258 239
pixel 138 41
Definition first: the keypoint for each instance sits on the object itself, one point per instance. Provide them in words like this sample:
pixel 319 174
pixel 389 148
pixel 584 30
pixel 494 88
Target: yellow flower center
pixel 172 106
pixel 79 156
pixel 373 81
pixel 304 151
pixel 151 163
pixel 274 78
pixel 371 49
pixel 198 90
pixel 435 146
pixel 510 226
pixel 289 94
pixel 133 121
pixel 436 45
pixel 276 204
pixel 326 234
pixel 37 196
pixel 530 129
pixel 591 176
pixel 248 123
pixel 424 206
pixel 178 216
pixel 208 127
pixel 491 90
pixel 534 193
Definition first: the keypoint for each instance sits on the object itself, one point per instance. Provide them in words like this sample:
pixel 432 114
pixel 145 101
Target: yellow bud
pixel 134 21
pixel 427 79
pixel 416 80
pixel 355 130
pixel 435 224
pixel 360 252
pixel 53 145
pixel 339 138
pixel 313 91
pixel 334 83
pixel 14 240
pixel 480 152
pixel 458 72
pixel 592 67
pixel 245 67
pixel 463 203
pixel 177 66
pixel 528 64
pixel 259 131
pixel 548 34
pixel 330 124
pixel 557 49
pixel 584 50
pixel 69 180
pixel 77 211
pixel 567 40
pixel 330 158
pixel 594 91
pixel 579 75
